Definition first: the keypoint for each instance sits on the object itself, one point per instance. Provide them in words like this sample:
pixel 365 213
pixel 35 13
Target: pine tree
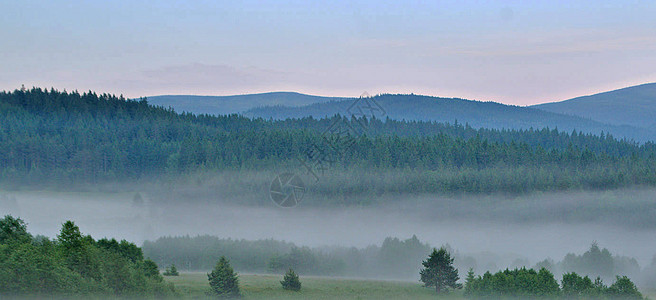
pixel 469 282
pixel 291 281
pixel 70 237
pixel 439 271
pixel 223 280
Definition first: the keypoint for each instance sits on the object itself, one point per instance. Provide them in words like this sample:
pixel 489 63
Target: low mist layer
pixel 531 227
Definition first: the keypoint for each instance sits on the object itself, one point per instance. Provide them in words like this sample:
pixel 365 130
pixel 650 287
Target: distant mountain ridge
pixel 633 106
pixel 475 113
pixel 223 105
pixel 626 113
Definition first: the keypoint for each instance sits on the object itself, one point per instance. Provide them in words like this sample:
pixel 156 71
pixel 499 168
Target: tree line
pixel 393 259
pixel 439 272
pixel 527 283
pixel 51 137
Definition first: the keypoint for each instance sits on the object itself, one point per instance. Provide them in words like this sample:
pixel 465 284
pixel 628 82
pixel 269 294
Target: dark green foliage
pixel 56 138
pixel 150 269
pixel 223 280
pixel 547 286
pixel 27 270
pixel 624 288
pixel 520 283
pixel 13 230
pixel 439 272
pixel 291 281
pixel 171 271
pixel 79 252
pixel 70 237
pixel 469 283
pixel 575 286
pixel 527 283
pixel 124 248
pixel 72 265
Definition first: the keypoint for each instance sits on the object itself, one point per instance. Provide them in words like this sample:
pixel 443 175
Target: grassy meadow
pixel 194 286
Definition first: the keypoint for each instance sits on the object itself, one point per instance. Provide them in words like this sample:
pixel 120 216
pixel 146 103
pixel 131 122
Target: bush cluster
pixel 527 283
pixel 73 265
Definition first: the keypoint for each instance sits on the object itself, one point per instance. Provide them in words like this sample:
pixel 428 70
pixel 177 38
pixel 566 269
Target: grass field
pixel 195 286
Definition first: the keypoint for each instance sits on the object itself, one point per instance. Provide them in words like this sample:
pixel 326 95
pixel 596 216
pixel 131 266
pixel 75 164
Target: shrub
pixel 291 281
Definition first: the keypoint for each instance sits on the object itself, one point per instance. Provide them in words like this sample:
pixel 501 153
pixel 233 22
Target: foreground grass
pixel 195 286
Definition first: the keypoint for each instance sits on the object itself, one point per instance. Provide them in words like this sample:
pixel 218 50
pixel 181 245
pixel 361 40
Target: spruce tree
pixel 439 272
pixel 223 280
pixel 291 281
pixel 469 282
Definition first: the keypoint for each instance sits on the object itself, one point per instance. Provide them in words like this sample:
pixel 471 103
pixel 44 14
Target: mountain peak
pixel 633 106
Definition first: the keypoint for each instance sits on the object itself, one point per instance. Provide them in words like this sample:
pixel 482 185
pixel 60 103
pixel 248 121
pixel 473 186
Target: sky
pixel 514 52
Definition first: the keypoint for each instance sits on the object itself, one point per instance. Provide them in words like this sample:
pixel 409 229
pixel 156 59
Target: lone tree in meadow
pixel 291 281
pixel 439 272
pixel 223 280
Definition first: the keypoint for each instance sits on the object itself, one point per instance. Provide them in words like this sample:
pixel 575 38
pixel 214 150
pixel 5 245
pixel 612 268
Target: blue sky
pixel 517 52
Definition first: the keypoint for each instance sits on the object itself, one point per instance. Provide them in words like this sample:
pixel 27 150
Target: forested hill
pixel 224 105
pixel 475 113
pixel 47 136
pixel 634 106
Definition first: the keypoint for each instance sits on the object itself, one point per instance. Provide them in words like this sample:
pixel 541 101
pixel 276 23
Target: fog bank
pixel 530 227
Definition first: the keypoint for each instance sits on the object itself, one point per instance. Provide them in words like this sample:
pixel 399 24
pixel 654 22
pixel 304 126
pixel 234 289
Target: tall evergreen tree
pixel 223 280
pixel 439 272
pixel 469 282
pixel 70 236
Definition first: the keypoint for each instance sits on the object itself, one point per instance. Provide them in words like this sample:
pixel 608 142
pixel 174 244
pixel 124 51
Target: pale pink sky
pixel 515 52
